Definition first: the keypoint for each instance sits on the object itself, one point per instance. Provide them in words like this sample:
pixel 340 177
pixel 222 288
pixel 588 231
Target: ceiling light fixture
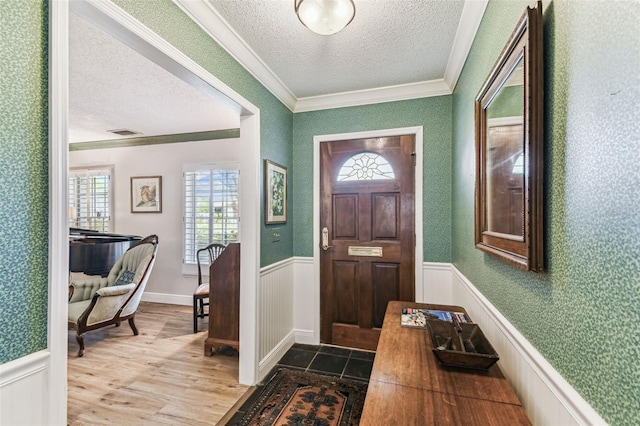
pixel 325 17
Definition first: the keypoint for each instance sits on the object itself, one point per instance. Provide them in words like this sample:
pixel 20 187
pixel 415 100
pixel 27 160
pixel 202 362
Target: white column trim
pixel 56 394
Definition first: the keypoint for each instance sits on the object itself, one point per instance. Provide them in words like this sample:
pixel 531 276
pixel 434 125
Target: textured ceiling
pixel 393 50
pixel 389 42
pixel 113 87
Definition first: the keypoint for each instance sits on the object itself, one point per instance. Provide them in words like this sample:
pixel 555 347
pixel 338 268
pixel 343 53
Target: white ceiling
pixel 388 43
pixel 393 50
pixel 112 87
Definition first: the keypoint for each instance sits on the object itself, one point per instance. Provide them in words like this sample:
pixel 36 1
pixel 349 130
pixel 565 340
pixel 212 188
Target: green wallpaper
pixel 23 178
pixel 276 120
pixel 434 114
pixel 582 314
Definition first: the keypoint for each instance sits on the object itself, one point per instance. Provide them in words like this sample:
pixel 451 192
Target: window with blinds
pixel 90 199
pixel 211 208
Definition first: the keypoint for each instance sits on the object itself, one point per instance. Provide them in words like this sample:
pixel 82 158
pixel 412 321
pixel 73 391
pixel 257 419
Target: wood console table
pixel 409 387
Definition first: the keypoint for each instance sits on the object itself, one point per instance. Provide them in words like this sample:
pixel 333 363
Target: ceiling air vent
pixel 124 132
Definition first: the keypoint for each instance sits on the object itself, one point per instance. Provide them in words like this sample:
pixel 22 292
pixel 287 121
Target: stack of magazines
pixel 414 317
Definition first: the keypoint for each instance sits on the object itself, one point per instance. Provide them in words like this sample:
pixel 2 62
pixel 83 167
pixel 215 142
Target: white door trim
pixel 56 395
pixel 121 25
pixel 317 140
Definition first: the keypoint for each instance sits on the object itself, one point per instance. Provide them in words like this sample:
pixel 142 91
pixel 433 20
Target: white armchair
pixel 98 302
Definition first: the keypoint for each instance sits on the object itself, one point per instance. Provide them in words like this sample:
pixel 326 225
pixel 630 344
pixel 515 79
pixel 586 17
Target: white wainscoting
pixel 547 398
pixel 306 307
pixel 436 283
pixel 24 384
pixel 275 313
pixel 289 311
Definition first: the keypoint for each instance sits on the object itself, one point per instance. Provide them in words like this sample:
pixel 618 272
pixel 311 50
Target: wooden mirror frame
pixel 524 250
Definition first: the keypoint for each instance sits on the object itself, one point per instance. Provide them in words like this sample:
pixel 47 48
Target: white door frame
pixel 121 25
pixel 317 140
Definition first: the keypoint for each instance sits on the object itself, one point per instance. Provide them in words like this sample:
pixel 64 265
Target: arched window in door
pixel 366 166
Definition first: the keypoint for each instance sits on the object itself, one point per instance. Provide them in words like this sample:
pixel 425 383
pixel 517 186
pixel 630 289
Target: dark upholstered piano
pixel 94 253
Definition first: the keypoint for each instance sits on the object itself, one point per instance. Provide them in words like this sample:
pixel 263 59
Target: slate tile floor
pixel 331 360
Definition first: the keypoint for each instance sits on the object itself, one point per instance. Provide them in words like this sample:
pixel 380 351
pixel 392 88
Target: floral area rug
pixel 294 397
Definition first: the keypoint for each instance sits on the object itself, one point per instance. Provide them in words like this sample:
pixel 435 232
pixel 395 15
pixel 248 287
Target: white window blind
pixel 211 208
pixel 90 199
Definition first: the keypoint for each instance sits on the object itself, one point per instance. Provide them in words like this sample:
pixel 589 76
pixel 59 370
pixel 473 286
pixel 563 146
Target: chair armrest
pixel 85 289
pixel 108 301
pixel 116 290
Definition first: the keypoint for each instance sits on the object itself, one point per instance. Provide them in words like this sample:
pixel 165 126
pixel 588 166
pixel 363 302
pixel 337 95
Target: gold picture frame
pixel 275 193
pixel 146 194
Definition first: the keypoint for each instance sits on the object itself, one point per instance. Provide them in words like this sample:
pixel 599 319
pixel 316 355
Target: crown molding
pixel 400 92
pixel 209 135
pixel 203 14
pixel 472 13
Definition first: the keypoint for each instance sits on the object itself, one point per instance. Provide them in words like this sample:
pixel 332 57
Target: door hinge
pixel 413 154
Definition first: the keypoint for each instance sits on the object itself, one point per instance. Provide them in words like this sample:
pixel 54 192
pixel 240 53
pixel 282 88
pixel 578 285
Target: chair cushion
pixel 76 309
pixel 202 290
pixel 126 277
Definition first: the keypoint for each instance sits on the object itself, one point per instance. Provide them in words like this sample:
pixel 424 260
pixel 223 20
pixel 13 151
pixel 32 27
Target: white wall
pixel 167 283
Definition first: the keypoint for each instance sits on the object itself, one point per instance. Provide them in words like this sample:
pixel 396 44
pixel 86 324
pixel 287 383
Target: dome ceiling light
pixel 325 17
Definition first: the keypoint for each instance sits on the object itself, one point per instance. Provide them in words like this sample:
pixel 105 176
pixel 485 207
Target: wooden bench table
pixel 409 387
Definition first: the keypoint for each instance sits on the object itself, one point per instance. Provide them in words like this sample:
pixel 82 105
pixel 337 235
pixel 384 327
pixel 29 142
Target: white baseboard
pixel 272 358
pixel 170 299
pixel 306 337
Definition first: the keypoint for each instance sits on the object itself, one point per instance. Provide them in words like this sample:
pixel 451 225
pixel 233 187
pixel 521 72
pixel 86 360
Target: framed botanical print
pixel 275 193
pixel 146 194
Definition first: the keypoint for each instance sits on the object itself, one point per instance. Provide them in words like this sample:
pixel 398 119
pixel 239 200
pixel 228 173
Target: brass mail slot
pixel 365 251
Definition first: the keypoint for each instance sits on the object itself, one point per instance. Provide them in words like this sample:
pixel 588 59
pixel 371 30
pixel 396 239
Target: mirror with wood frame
pixel 509 150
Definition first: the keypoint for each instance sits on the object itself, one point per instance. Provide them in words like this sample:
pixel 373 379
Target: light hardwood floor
pixel 159 377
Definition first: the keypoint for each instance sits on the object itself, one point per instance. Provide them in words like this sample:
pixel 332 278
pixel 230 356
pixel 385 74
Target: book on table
pixel 416 317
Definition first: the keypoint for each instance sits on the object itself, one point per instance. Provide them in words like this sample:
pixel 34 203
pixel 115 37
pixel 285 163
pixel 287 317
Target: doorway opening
pixel 128 30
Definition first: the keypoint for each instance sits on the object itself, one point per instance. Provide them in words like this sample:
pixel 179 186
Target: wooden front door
pixel 368 239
